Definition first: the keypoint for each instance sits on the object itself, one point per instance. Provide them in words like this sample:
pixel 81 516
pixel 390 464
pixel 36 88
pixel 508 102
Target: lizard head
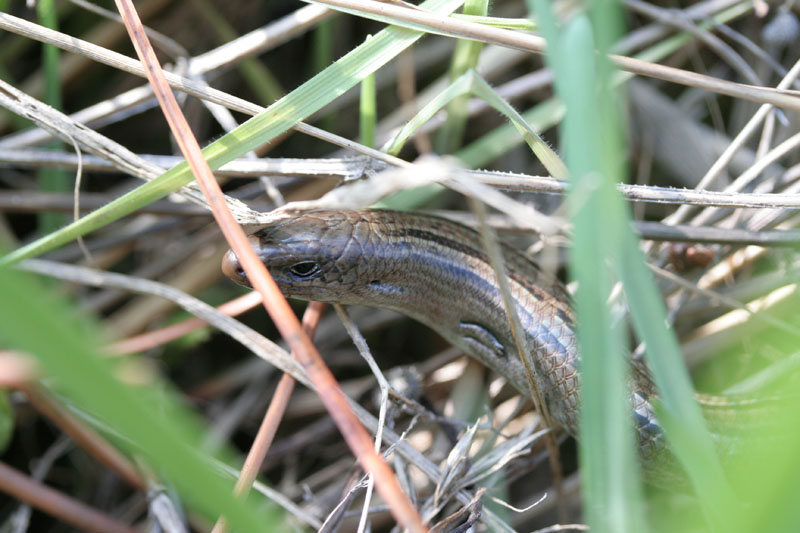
pixel 310 256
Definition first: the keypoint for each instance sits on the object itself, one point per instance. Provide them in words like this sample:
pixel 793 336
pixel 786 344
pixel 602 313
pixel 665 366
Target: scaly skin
pixel 436 272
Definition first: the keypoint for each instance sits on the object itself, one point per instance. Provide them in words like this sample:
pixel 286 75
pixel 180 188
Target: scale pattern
pixel 436 272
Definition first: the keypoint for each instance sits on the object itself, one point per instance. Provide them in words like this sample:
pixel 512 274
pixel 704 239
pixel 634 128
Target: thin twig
pixel 759 315
pixel 84 436
pixel 159 337
pixel 250 44
pixel 533 43
pixel 269 425
pixel 276 305
pixel 255 342
pixel 741 138
pixel 345 168
pixel 493 251
pixel 251 339
pixel 72 511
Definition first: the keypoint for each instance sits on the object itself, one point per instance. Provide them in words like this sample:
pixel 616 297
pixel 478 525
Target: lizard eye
pixel 304 270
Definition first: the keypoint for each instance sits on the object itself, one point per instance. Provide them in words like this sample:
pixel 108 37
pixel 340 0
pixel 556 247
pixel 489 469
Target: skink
pixel 436 272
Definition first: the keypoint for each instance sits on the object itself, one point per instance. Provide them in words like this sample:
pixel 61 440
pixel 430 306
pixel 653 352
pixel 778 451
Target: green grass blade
pixel 368 111
pixel 411 198
pixel 322 47
pixel 592 138
pixel 499 22
pixel 595 154
pixel 457 88
pixel 548 113
pixel 486 149
pixel 691 440
pixel 472 83
pixel 148 421
pixel 51 180
pixel 276 119
pixel 465 58
pixel 7 420
pixel 549 158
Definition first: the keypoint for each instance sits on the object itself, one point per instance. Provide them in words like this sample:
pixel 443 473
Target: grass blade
pixel 276 119
pixel 609 461
pixel 149 422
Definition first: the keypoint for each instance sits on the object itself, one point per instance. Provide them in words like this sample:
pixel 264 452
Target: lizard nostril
pixel 231 267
